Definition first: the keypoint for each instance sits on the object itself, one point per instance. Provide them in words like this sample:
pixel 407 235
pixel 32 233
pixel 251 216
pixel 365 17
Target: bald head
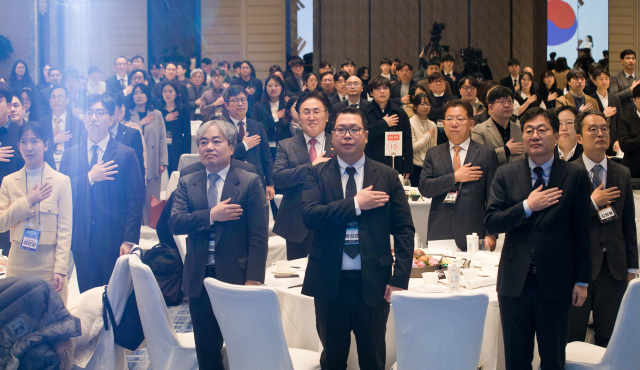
pixel 354 87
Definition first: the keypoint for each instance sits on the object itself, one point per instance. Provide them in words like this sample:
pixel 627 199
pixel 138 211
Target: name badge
pixel 352 233
pixel 57 156
pixel 212 248
pixel 452 195
pixel 607 214
pixel 198 110
pixel 169 139
pixel 31 238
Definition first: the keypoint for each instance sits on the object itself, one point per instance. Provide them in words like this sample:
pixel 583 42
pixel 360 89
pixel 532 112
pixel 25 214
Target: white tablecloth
pixel 298 320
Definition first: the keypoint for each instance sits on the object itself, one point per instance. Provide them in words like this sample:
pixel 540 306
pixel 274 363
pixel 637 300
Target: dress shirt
pixel 125 78
pixel 347 262
pixel 63 120
pixel 102 146
pixel 476 106
pixel 632 74
pixel 114 130
pixel 404 89
pixel 320 142
pixel 274 110
pixel 219 184
pixel 357 104
pixel 387 76
pixel 514 81
pixel 300 82
pixel 464 148
pixel 546 171
pixel 235 122
pixel 568 155
pixel 604 99
pixel 96 87
pixel 342 97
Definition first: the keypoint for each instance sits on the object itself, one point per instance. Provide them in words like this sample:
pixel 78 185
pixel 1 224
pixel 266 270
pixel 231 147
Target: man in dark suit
pixel 353 204
pixel 354 99
pixel 400 89
pixel 295 82
pixel 295 156
pixel 252 144
pixel 340 80
pixel 65 129
pixel 55 78
pixel 128 136
pixel 610 105
pixel 542 204
pixel 108 195
pixel 460 169
pixel 513 80
pixel 224 211
pixel 328 84
pixel 614 247
pixel 119 81
pixel 383 115
pixel 623 83
pixel 629 136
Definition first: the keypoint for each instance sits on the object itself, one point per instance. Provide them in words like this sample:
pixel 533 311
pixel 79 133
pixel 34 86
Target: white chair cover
pixel 438 331
pixel 181 243
pixel 187 159
pixel 167 350
pixel 250 321
pixel 173 183
pixel 622 352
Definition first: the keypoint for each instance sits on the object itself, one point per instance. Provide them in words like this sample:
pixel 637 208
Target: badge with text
pixel 31 238
pixel 169 139
pixel 606 214
pixel 393 143
pixel 212 248
pixel 452 195
pixel 352 233
pixel 57 156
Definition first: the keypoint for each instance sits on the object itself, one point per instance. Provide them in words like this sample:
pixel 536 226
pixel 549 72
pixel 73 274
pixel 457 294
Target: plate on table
pixel 276 272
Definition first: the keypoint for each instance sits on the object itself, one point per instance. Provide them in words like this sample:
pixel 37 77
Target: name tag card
pixel 212 248
pixel 352 233
pixel 452 195
pixel 57 156
pixel 31 238
pixel 607 214
pixel 169 138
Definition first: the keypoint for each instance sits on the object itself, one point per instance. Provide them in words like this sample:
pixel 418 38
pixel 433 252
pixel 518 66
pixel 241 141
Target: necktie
pixel 300 83
pixel 313 154
pixel 456 157
pixel 595 178
pixel 353 105
pixel 56 130
pixel 212 193
pixel 94 156
pixel 240 130
pixel 539 181
pixel 352 250
pixel 344 98
pixel 122 83
pixel 515 82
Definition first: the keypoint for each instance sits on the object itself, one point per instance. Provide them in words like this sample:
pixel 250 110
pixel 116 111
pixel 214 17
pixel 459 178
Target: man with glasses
pixel 291 166
pixel 354 204
pixel 614 247
pixel 252 144
pixel 468 86
pixel 354 99
pixel 328 84
pixel 576 96
pixel 55 78
pixel 384 115
pixel 438 97
pixel 66 129
pixel 120 80
pixel 498 132
pixel 458 188
pixel 569 149
pixel 543 206
pixel 295 82
pixel 108 196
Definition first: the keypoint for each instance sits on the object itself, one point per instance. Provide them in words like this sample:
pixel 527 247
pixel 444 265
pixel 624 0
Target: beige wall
pixel 623 31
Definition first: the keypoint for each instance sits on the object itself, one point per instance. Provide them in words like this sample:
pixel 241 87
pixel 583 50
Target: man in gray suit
pixel 294 158
pixel 223 209
pixel 614 248
pixel 457 175
pixel 498 132
pixel 623 83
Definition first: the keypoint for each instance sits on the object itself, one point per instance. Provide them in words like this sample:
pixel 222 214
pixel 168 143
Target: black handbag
pixel 166 264
pixel 129 333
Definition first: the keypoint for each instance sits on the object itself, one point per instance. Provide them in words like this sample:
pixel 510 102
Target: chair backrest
pixel 156 322
pixel 120 285
pixel 187 159
pixel 623 350
pixel 249 318
pixel 439 331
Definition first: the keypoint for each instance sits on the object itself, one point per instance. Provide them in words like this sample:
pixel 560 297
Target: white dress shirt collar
pixel 114 129
pixel 235 122
pixel 546 166
pixel 63 118
pixel 359 165
pixel 340 97
pixel 568 155
pixel 627 74
pixel 320 138
pixel 102 144
pixel 125 78
pixel 222 173
pixel 438 95
pixel 589 164
pixel 464 144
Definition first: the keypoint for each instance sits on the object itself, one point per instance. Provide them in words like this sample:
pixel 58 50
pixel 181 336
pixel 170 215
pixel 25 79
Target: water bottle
pixel 454 283
pixel 472 244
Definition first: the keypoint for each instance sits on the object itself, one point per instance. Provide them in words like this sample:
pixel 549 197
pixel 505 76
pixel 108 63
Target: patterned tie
pixel 56 130
pixel 352 250
pixel 540 180
pixel 313 154
pixel 456 157
pixel 94 156
pixel 241 130
pixel 212 193
pixel 595 178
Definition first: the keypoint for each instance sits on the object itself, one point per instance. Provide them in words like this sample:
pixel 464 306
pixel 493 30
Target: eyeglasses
pixel 566 124
pixel 99 113
pixel 236 101
pixel 450 120
pixel 315 113
pixel 504 102
pixel 468 88
pixel 594 130
pixel 381 88
pixel 438 82
pixel 121 64
pixel 353 85
pixel 57 97
pixel 327 81
pixel 354 131
pixel 541 131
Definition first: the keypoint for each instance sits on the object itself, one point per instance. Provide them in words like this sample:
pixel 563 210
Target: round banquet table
pixel 298 320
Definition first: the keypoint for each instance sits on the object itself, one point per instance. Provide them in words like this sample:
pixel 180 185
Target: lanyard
pixel 26 183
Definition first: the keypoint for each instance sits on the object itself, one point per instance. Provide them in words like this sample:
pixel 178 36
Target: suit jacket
pixel 291 85
pixel 621 88
pixel 508 82
pixel 289 172
pixel 396 88
pixel 614 120
pixel 378 126
pixel 437 113
pixel 334 99
pixel 113 206
pixel 262 113
pixel 131 138
pixel 567 99
pixel 325 211
pixel 72 123
pixel 155 138
pixel 44 106
pixel 337 108
pixel 240 245
pixel 556 238
pixel 487 133
pixel 466 215
pixel 113 85
pixel 16 162
pixel 617 236
pixel 259 155
pixel 55 214
pixel 629 138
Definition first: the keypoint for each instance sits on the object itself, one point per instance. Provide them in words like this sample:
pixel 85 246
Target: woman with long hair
pixel 250 83
pixel 560 72
pixel 177 123
pixel 30 105
pixel 423 134
pixel 43 79
pixel 527 97
pixel 271 109
pixel 19 78
pixel 548 89
pixel 364 75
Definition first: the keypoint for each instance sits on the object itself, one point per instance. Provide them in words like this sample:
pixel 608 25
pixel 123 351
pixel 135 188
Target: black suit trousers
pixel 530 315
pixel 94 266
pixel 300 250
pixel 335 319
pixel 206 331
pixel 604 298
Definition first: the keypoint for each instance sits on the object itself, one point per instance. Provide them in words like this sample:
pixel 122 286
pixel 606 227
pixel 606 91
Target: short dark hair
pixel 324 64
pixel 377 82
pixel 325 73
pixel 231 91
pixel 499 93
pixel 347 62
pixel 308 95
pixel 396 60
pixel 167 64
pixel 206 61
pixel 458 103
pixel 146 90
pixel 19 96
pixel 105 99
pixel 216 72
pixel 237 64
pixel 418 98
pixel 600 71
pixel 115 60
pixel 582 115
pixel 448 58
pixel 385 61
pixel 354 111
pixel 434 62
pixel 513 62
pixel 176 88
pixel 435 76
pixel 157 66
pixel 6 91
pixel 305 77
pixel 414 88
pixel 183 65
pixel 38 130
pixel 224 63
pixel 93 69
pixel 627 52
pixel 472 81
pixel 575 73
pixel 296 61
pixel 119 99
pixel 55 69
pixel 137 57
pixel 553 55
pixel 570 108
pixel 58 86
pixel 405 64
pixel 636 91
pixel 534 112
pixel 342 74
pixel 275 68
pixel 592 67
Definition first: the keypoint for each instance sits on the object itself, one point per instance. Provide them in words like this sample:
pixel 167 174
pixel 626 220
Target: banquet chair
pixel 251 324
pixel 438 331
pixel 167 349
pixel 622 352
